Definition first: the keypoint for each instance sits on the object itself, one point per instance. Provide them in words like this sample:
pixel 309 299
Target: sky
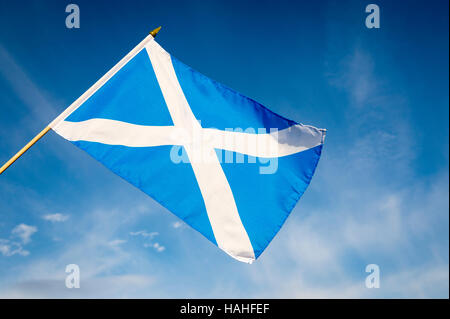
pixel 379 195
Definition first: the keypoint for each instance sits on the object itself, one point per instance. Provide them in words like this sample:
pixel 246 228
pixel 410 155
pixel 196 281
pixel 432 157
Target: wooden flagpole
pixel 24 149
pixel 43 132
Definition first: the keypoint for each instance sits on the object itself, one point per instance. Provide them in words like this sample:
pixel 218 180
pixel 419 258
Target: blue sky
pixel 380 194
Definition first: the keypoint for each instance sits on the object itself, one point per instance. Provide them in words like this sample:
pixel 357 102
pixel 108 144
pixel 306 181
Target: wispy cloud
pixel 90 248
pixel 373 208
pixel 145 234
pixel 149 240
pixel 56 218
pixel 25 88
pixel 9 248
pixel 21 235
pixel 177 224
pixel 357 77
pixel 157 246
pixel 24 232
pixel 324 254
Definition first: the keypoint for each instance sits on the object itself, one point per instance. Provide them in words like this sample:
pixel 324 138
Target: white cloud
pixel 369 206
pixel 144 233
pixel 101 267
pixel 156 246
pixel 13 247
pixel 177 224
pixel 55 217
pixel 149 237
pixel 323 253
pixel 24 232
pixel 8 248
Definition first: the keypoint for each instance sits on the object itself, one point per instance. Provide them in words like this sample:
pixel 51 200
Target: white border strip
pixel 105 78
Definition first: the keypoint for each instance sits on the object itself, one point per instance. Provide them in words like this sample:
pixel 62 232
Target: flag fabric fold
pixel 226 165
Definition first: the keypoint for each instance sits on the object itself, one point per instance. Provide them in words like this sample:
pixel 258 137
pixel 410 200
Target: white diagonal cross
pixel 223 214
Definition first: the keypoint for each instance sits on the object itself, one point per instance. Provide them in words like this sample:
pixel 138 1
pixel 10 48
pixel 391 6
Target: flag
pixel 223 163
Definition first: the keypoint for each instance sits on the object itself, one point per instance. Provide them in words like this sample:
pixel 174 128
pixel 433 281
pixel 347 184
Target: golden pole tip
pixel 155 32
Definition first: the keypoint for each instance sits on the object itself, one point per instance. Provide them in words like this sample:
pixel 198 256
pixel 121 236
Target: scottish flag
pixel 226 165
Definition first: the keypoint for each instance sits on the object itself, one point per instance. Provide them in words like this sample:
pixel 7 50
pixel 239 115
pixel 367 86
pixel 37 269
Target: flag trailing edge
pixel 130 120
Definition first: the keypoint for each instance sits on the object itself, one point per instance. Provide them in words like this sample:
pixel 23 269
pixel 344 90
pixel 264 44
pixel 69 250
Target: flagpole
pixel 24 149
pixel 43 132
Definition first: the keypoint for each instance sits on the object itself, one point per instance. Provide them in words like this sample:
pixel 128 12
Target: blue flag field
pixel 223 163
